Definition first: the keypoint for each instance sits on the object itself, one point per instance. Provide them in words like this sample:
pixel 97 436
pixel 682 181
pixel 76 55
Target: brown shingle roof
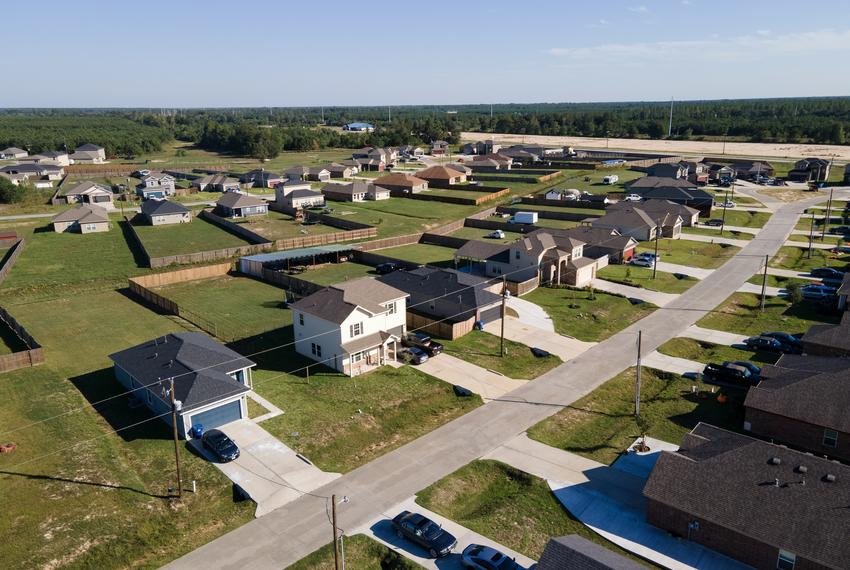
pixel 336 302
pixel 84 214
pixel 438 172
pixel 400 179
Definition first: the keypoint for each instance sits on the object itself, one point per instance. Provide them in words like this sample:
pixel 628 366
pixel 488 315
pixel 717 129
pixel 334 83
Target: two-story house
pixel 297 194
pixel 352 327
pixel 211 381
pixel 156 185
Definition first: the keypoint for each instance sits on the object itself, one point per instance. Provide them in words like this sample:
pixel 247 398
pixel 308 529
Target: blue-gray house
pixel 211 381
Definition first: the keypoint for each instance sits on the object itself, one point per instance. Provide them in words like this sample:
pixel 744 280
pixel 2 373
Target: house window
pixel 786 560
pixel 319 350
pixel 313 348
pixel 301 319
pixel 357 357
pixel 391 308
pixel 830 437
pixel 356 329
pixel 516 254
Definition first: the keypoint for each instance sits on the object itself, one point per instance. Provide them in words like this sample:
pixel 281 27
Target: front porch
pixel 369 353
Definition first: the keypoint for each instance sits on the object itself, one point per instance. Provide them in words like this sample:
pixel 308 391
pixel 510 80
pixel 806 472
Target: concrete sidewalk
pixel 790 273
pixel 697 272
pixel 672 364
pixel 768 290
pixel 713 336
pixel 381 530
pixel 655 297
pixel 805 244
pixel 273 411
pixel 488 385
pixel 715 239
pixel 564 347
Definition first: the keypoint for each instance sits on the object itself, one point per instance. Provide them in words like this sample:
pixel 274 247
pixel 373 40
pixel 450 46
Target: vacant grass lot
pixel 576 179
pixel 481 234
pixel 797 259
pixel 482 348
pixel 556 224
pixel 332 273
pixel 707 352
pixel 400 216
pixel 602 425
pixel 587 317
pixel 360 552
pixel 693 253
pixel 715 232
pixel 238 307
pixel 778 281
pixel 585 212
pixel 176 239
pixel 642 277
pixel 424 254
pixel 276 225
pixel 506 505
pixel 740 314
pixel 743 218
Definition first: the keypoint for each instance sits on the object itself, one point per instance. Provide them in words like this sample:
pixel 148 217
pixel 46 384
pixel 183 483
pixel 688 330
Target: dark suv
pixel 423 342
pixel 424 532
pixel 731 375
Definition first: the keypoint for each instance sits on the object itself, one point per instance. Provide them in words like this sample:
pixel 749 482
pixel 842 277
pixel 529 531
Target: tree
pixel 837 134
pixel 9 193
pixel 795 294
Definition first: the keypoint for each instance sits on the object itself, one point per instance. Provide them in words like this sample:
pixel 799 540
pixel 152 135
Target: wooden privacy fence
pixel 235 229
pixel 33 354
pixel 565 203
pixel 550 215
pixel 11 257
pixel 137 241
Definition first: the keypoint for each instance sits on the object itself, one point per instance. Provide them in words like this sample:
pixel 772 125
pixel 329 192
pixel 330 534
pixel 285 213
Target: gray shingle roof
pixel 239 200
pixel 84 214
pixel 162 208
pixel 477 249
pixel 573 552
pixel 88 147
pixel 198 364
pixel 830 336
pixel 84 187
pixel 729 480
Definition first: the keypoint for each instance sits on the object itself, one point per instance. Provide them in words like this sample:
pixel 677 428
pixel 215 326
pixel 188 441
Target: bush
pixel 795 295
pixel 11 194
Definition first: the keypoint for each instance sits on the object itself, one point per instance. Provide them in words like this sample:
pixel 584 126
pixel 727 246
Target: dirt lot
pixel 791 151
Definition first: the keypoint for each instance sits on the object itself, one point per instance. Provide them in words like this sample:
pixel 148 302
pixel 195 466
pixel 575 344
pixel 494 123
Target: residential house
pixel 601 243
pixel 574 552
pixel 216 183
pixel 440 175
pixel 718 172
pixel 54 157
pixel 318 174
pixel 460 167
pixel 352 327
pixel 260 178
pixel 370 165
pixel 481 147
pixel 352 164
pixel 357 191
pixel 439 148
pixel 401 184
pixel 697 172
pixel 240 205
pixel 31 171
pixel 548 257
pixel 657 209
pixel 88 154
pixel 82 218
pixel 828 340
pixel 630 219
pixel 517 153
pixel 297 173
pixel 483 164
pixel 12 153
pixel 156 185
pixel 668 170
pixel 85 192
pixel 359 127
pixel 99 151
pixel 292 194
pixel 341 170
pixel 803 401
pixel 679 190
pixel 749 170
pixel 17 179
pixel 210 381
pixel 164 212
pixel 762 504
pixel 809 170
pixel 444 302
pixel 409 150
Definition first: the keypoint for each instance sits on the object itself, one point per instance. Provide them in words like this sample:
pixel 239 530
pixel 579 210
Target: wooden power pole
pixel 637 376
pixel 336 539
pixel 764 283
pixel 176 437
pixel 504 300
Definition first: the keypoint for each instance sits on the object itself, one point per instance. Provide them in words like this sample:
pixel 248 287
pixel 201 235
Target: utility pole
pixel 670 123
pixel 828 214
pixel 336 540
pixel 811 235
pixel 723 222
pixel 655 259
pixel 637 376
pixel 764 283
pixel 504 300
pixel 174 404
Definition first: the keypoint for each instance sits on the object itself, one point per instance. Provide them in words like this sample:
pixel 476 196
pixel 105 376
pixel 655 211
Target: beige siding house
pixel 85 219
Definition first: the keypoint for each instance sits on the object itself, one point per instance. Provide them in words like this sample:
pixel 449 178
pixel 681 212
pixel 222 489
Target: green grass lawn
pixel 482 348
pixel 236 307
pixel 642 277
pixel 778 281
pixel 276 225
pixel 332 273
pixel 481 234
pixel 576 179
pixel 715 232
pixel 424 254
pixel 602 425
pixel 506 505
pixel 176 239
pixel 585 212
pixel 693 253
pixel 707 352
pixel 576 314
pixel 556 224
pixel 360 552
pixel 400 216
pixel 472 194
pixel 743 218
pixel 740 314
pixel 797 259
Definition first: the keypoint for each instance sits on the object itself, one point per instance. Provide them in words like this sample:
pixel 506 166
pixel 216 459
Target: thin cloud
pixel 751 47
pixel 639 9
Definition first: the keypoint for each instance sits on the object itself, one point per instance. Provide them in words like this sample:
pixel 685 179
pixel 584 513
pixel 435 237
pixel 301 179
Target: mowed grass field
pixel 400 216
pixel 421 253
pixel 360 552
pixel 740 314
pixel 642 277
pixel 176 239
pixel 275 225
pixel 797 259
pixel 693 253
pixel 482 348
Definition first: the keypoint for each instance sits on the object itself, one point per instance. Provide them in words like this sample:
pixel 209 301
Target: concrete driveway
pixel 488 385
pixel 381 530
pixel 563 347
pixel 530 314
pixel 267 470
pixel 657 298
pixel 713 336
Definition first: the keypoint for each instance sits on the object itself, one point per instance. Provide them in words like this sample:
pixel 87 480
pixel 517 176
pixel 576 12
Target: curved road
pixel 291 532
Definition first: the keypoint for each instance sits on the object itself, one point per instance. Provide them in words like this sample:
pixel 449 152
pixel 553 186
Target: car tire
pixel 433 553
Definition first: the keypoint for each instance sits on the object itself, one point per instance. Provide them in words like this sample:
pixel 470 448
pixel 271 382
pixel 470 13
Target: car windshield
pixel 430 530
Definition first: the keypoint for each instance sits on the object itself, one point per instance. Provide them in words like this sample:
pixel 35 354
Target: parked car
pixel 632 198
pixel 727 375
pixel 763 343
pixel 714 222
pixel 423 342
pixel 423 531
pixel 648 255
pixel 755 371
pixel 827 273
pixel 788 340
pixel 842 230
pixel 224 448
pixel 642 262
pixel 414 355
pixel 478 557
pixel 815 292
pixel 389 267
pixel 497 234
pixel 726 204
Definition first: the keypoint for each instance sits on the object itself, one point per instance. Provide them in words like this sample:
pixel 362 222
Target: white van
pixel 611 179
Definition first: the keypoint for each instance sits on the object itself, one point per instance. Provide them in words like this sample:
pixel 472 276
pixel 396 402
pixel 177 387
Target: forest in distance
pixel 265 132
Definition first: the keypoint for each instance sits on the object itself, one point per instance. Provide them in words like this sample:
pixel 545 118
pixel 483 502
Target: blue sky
pixel 279 53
